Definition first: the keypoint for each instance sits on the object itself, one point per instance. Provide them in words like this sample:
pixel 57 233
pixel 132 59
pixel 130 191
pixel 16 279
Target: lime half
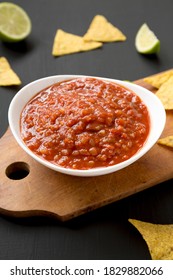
pixel 15 24
pixel 146 41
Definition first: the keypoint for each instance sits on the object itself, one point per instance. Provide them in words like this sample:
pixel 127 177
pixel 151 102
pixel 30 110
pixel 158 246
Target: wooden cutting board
pixel 46 192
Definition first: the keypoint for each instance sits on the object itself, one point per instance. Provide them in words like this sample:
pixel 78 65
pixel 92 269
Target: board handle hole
pixel 17 170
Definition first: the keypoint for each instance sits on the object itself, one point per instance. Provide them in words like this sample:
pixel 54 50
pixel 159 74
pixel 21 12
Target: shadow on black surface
pixel 19 47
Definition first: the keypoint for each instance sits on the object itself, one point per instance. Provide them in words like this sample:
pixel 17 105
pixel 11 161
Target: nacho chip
pixel 165 94
pixel 67 43
pixel 101 30
pixel 159 79
pixel 158 238
pixel 166 141
pixel 7 76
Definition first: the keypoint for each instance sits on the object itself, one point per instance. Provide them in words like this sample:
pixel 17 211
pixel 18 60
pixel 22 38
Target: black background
pixel 104 233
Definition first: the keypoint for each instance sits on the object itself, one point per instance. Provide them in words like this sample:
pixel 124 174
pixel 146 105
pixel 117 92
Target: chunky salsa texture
pixel 85 123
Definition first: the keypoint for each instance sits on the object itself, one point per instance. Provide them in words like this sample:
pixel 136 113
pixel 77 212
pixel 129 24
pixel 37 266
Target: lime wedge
pixel 15 24
pixel 146 41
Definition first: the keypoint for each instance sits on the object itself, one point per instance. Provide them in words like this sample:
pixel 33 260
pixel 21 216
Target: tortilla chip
pixel 165 94
pixel 167 141
pixel 159 79
pixel 67 43
pixel 158 238
pixel 7 76
pixel 101 30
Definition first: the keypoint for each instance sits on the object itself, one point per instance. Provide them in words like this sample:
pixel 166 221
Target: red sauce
pixel 85 123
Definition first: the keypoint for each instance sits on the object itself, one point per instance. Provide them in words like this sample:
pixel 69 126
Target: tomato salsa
pixel 85 123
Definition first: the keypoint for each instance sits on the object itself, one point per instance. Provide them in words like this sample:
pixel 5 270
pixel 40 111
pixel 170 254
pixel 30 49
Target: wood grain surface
pixel 46 192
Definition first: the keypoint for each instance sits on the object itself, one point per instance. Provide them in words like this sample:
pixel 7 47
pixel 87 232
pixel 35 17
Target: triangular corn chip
pixel 7 76
pixel 166 141
pixel 158 79
pixel 101 30
pixel 165 94
pixel 158 238
pixel 67 43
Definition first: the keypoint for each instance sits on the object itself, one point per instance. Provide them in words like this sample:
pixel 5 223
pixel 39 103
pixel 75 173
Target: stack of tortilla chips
pixel 163 82
pixel 100 31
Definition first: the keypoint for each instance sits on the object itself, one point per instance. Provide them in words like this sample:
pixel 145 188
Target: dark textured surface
pixel 104 233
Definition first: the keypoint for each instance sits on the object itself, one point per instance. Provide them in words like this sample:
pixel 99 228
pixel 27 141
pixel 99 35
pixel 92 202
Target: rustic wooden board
pixel 46 192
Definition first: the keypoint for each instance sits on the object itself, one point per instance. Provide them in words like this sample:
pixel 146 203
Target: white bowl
pixel 155 109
